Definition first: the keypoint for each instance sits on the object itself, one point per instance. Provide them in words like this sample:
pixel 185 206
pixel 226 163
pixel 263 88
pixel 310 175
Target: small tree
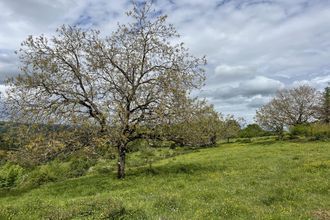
pixel 271 118
pixel 118 83
pixel 197 125
pixel 230 127
pixel 252 130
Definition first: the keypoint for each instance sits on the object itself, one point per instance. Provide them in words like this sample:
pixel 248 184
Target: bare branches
pixel 126 80
pixel 130 75
pixel 289 107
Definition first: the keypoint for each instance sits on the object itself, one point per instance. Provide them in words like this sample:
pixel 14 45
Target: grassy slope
pixel 280 180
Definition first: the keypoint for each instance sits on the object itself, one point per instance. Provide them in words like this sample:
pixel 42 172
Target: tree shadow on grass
pixel 12 192
pixel 83 186
pixel 177 169
pixel 263 143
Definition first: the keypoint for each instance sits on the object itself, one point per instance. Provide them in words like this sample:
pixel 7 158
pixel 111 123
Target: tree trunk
pixel 121 161
pixel 213 139
pixel 280 135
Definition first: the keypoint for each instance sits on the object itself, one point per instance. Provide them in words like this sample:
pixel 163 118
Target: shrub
pixel 314 130
pixel 10 175
pixel 79 166
pixel 253 130
pixel 41 175
pixel 56 171
pixel 300 130
pixel 320 131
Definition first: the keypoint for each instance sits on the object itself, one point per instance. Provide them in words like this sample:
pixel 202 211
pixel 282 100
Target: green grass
pixel 258 180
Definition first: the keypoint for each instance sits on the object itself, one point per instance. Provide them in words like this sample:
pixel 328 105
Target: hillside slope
pixel 262 180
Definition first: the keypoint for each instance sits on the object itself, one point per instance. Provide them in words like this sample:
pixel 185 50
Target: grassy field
pixel 259 180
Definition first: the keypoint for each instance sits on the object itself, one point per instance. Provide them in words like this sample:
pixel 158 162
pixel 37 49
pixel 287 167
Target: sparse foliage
pixel 197 125
pixel 230 127
pixel 32 145
pixel 129 79
pixel 288 108
pixel 270 117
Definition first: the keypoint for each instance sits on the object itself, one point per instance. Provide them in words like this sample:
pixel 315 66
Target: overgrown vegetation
pixel 314 131
pixel 265 179
pixel 84 103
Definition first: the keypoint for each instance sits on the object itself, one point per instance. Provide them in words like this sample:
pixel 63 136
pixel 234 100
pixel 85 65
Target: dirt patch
pixel 321 215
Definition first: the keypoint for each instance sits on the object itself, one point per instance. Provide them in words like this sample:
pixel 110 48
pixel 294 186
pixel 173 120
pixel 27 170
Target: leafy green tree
pixel 252 130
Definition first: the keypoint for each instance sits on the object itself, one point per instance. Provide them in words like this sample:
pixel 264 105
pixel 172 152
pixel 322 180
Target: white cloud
pixel 319 82
pixel 258 101
pixel 259 85
pixel 225 73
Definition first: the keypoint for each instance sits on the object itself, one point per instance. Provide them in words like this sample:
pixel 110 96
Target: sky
pixel 253 47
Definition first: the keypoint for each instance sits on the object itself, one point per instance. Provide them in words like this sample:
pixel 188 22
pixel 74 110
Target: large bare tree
pixel 289 107
pixel 129 79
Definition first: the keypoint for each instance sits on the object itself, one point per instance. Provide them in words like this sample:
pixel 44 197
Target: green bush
pixel 10 175
pixel 300 130
pixel 253 130
pixel 79 166
pixel 55 171
pixel 320 131
pixel 315 130
pixel 50 172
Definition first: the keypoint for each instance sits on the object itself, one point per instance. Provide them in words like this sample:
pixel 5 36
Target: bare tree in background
pixel 297 104
pixel 129 79
pixel 289 107
pixel 270 117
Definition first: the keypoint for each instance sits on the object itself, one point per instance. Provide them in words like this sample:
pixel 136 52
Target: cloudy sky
pixel 253 47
